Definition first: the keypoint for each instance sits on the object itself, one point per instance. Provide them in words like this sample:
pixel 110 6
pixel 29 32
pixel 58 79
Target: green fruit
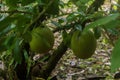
pixel 83 44
pixel 42 40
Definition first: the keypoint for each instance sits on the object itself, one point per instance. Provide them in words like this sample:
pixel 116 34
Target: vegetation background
pixel 19 17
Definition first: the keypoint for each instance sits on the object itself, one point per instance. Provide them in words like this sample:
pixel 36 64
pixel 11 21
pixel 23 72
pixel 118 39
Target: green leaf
pixel 66 38
pixel 113 31
pixel 6 31
pixel 12 3
pixel 115 57
pixel 26 55
pixel 9 42
pixel 95 16
pixel 84 1
pixel 17 51
pixel 21 22
pixel 112 24
pixel 102 21
pixel 75 16
pixel 56 23
pixel 97 32
pixel 27 36
pixel 22 19
pixel 5 23
pixel 78 27
pixel 26 2
pixel 53 9
pixel 71 17
pixel 28 61
pixel 2 46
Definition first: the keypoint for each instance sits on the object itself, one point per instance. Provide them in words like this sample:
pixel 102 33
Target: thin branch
pixel 39 16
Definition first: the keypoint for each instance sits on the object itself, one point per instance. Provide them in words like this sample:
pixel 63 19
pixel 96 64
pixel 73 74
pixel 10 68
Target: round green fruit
pixel 83 44
pixel 42 40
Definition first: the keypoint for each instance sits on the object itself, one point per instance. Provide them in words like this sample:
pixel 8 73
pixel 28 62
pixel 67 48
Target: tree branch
pixel 38 17
pixel 45 72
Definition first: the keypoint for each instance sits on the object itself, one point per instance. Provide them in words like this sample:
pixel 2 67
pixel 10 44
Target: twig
pixel 39 16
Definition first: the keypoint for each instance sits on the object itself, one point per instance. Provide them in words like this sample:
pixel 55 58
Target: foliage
pixel 20 17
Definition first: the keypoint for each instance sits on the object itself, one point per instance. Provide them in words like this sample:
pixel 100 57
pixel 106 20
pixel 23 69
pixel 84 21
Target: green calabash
pixel 42 40
pixel 83 44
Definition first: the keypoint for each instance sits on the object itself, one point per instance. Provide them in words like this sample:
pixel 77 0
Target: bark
pixel 46 70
